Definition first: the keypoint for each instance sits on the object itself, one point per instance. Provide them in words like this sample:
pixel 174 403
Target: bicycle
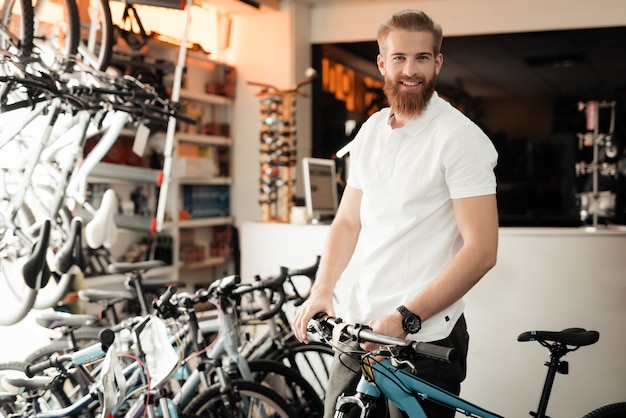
pixel 79 330
pixel 278 342
pixel 269 369
pixel 142 386
pixel 48 185
pixel 224 350
pixel 30 399
pixel 388 377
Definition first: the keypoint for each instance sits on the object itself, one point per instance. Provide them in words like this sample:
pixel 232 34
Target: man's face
pixel 409 66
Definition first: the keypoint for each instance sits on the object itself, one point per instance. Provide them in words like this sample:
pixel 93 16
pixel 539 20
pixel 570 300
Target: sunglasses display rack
pixel 278 155
pixel 278 148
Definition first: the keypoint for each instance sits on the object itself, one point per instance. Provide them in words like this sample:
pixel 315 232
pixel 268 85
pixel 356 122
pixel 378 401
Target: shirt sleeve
pixel 469 162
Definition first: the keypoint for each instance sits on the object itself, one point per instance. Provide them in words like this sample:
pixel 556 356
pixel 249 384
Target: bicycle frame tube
pixel 34 160
pixel 403 389
pixel 78 183
pixel 21 124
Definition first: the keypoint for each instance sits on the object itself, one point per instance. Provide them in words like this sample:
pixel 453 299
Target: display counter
pixel 545 279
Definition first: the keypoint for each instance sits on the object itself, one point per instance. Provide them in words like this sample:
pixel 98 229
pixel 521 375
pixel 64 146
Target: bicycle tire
pixel 83 337
pixel 34 210
pixel 212 403
pixel 57 38
pixel 616 410
pixel 96 36
pixel 290 384
pixel 18 302
pixel 54 396
pixel 311 360
pixel 19 25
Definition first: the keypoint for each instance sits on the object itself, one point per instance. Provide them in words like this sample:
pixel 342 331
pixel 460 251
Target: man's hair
pixel 411 20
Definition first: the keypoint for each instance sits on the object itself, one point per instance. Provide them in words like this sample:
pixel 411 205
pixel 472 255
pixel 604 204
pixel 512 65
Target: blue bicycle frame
pixel 404 390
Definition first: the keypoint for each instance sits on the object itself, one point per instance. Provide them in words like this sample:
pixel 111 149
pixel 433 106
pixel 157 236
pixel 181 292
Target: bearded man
pixel 417 226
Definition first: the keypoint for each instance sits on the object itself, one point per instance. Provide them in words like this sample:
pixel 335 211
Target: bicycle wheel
pixel 56 30
pixel 289 384
pixel 54 397
pixel 17 25
pixel 616 410
pixel 15 248
pixel 82 338
pixel 96 33
pixel 311 360
pixel 249 400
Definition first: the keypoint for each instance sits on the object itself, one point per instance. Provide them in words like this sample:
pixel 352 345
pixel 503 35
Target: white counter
pixel 545 278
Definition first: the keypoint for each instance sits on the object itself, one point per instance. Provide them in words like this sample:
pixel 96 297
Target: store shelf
pixel 205 98
pixel 112 173
pixel 204 180
pixel 209 262
pixel 204 222
pixel 204 139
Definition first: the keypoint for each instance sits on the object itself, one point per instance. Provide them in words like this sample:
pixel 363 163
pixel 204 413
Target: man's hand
pixel 390 325
pixel 313 305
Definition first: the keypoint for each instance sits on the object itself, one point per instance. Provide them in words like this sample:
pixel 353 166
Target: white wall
pixel 548 279
pixel 338 21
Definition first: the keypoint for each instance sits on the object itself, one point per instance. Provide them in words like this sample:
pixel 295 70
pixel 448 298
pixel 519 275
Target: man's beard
pixel 408 102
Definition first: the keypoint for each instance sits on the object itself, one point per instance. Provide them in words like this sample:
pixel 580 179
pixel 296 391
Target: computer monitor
pixel 320 188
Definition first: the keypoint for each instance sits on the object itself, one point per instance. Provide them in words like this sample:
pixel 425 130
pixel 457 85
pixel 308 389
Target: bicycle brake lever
pixel 398 357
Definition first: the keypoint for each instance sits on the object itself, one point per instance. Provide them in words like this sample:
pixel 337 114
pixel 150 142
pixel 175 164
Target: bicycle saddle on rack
pixel 101 231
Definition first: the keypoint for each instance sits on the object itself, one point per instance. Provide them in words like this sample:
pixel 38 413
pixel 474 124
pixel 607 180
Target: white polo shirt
pixel 408 177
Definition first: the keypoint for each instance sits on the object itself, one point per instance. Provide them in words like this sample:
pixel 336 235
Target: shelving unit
pixel 197 219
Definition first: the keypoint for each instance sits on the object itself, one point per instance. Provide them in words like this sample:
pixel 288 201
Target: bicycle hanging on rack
pixel 51 114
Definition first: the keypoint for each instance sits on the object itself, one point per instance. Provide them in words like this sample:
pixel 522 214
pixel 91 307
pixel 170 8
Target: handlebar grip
pixel 434 351
pixel 82 356
pixel 107 338
pixel 164 306
pixel 34 369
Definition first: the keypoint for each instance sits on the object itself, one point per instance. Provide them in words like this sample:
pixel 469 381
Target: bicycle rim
pixel 251 400
pixel 56 30
pixel 289 384
pixel 311 360
pixel 17 20
pixel 96 33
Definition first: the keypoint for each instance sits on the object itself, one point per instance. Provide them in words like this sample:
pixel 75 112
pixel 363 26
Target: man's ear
pixel 381 64
pixel 438 63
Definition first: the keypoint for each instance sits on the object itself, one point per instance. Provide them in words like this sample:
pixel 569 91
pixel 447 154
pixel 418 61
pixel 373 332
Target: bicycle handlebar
pixel 309 272
pixel 335 330
pixel 82 356
pixel 275 285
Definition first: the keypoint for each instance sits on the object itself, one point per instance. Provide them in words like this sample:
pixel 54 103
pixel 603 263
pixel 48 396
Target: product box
pixel 206 201
pixel 194 167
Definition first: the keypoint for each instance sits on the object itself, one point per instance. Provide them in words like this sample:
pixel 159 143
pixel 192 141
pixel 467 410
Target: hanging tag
pixel 141 139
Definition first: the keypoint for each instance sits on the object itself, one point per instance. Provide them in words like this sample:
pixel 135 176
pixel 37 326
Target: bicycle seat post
pixel 557 351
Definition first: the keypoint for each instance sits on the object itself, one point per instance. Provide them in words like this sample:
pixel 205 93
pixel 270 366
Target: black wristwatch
pixel 411 323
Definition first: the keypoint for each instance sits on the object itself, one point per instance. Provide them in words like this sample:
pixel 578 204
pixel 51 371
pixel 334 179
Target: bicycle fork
pixel 364 399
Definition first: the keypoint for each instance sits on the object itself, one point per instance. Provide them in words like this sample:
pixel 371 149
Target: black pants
pixel 345 374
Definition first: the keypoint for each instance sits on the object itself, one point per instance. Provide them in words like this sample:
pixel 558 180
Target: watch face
pixel 412 324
